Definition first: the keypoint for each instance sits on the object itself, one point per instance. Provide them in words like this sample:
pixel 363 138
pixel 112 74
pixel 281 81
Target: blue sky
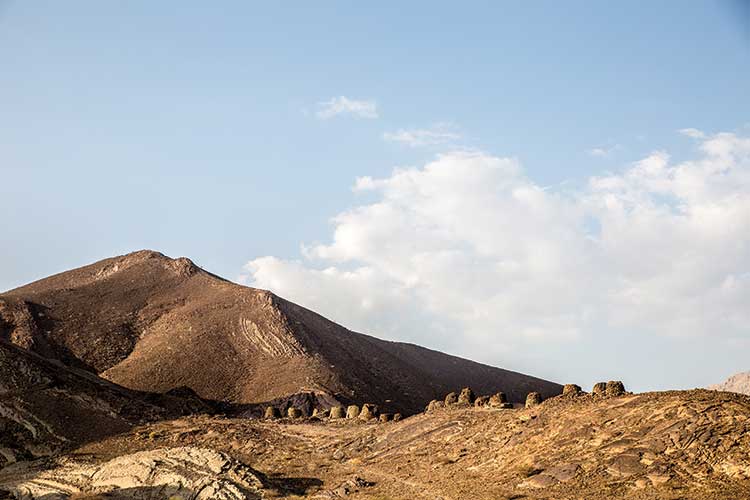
pixel 194 129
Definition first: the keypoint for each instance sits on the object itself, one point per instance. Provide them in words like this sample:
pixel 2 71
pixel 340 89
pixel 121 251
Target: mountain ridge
pixel 153 323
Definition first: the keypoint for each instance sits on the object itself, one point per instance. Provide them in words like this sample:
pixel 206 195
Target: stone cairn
pixel 337 412
pixel 466 397
pixel 571 390
pixel 352 411
pixel 533 399
pixel 273 412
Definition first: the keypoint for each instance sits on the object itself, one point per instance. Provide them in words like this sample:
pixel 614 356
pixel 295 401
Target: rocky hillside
pixel 46 407
pixel 152 323
pixel 736 383
pixel 688 445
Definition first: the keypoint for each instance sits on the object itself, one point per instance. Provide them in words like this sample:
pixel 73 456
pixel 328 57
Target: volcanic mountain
pixel 151 323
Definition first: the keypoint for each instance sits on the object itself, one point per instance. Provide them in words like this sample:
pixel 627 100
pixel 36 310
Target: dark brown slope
pixel 46 406
pixel 153 323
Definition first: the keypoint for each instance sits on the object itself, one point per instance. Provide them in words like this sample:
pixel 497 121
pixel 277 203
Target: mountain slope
pixel 46 406
pixel 152 323
pixel 739 382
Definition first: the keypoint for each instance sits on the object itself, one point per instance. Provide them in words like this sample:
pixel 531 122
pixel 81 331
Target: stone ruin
pixel 272 412
pixel 482 401
pixel 599 389
pixel 571 390
pixel 368 412
pixel 293 412
pixel 615 388
pixel 451 398
pixel 466 397
pixel 352 411
pixel 500 400
pixel 533 399
pixel 610 389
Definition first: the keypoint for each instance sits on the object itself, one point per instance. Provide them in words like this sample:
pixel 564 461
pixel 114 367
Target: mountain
pixel 152 323
pixel 739 382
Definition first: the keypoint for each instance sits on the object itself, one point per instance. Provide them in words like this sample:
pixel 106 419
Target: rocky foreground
pixel 668 445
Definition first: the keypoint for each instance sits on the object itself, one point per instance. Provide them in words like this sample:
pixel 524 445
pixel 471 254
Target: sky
pixel 557 188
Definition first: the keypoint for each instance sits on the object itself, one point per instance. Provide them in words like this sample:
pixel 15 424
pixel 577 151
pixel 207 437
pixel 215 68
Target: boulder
pixel 368 412
pixel 451 398
pixel 337 412
pixel 466 398
pixel 615 388
pixel 482 401
pixel 600 389
pixel 498 399
pixel 533 399
pixel 352 411
pixel 396 417
pixel 272 412
pixel 385 417
pixel 571 390
pixel 293 412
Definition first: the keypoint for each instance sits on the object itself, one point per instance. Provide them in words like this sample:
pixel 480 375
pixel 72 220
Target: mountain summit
pixel 152 323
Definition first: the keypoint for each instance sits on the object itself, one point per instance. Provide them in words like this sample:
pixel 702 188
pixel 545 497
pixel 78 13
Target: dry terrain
pixel 670 445
pixel 145 377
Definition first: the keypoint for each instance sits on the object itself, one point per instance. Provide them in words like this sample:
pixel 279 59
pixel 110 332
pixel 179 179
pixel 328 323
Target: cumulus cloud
pixel 344 106
pixel 468 254
pixel 437 134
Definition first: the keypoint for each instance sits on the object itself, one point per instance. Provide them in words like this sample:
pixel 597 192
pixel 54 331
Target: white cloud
pixel 693 133
pixel 343 105
pixel 437 134
pixel 470 255
pixel 603 152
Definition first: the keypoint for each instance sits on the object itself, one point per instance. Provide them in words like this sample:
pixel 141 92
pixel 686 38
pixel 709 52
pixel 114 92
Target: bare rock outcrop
pixel 184 472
